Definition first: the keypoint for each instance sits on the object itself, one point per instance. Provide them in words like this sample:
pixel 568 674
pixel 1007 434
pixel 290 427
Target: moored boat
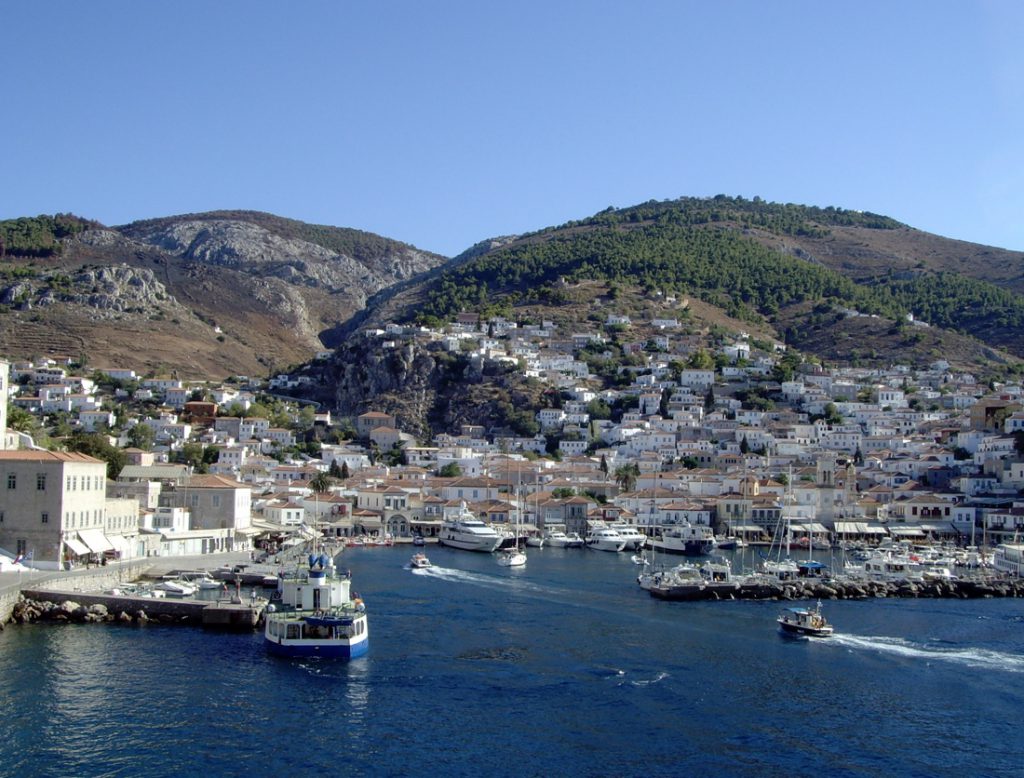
pixel 688 539
pixel 469 533
pixel 559 539
pixel 635 539
pixel 605 539
pixel 1009 558
pixel 174 587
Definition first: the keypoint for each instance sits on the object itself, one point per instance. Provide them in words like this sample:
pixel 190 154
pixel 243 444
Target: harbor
pixel 585 659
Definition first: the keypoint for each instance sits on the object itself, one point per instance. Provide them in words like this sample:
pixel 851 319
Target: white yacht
pixel 606 539
pixel 469 533
pixel 558 539
pixel 635 539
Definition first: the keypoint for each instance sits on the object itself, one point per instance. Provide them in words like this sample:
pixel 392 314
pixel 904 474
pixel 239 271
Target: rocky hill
pixel 203 295
pixel 837 284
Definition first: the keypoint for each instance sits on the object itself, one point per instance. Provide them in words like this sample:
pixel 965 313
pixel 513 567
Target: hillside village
pixel 844 454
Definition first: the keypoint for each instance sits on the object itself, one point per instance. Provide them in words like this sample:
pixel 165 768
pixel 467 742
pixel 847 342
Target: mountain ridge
pixel 251 292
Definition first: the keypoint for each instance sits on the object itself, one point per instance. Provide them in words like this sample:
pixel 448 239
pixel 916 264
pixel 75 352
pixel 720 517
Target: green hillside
pixel 40 236
pixel 713 249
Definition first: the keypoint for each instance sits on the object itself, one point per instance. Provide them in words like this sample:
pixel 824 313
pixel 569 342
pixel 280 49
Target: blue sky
pixel 444 123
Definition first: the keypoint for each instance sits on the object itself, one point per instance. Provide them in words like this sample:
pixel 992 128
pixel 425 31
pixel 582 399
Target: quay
pixel 77 596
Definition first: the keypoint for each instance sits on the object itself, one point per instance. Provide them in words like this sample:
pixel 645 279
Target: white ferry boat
pixel 688 539
pixel 1009 558
pixel 317 615
pixel 469 533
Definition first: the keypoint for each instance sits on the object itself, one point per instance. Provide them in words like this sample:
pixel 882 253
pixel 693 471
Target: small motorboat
pixel 804 621
pixel 173 587
pixel 419 562
pixel 639 559
pixel 418 540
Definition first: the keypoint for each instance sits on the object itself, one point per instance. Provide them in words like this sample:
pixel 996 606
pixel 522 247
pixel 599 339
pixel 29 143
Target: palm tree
pixel 321 483
pixel 625 477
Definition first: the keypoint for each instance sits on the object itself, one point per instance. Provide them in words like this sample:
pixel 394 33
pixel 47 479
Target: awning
pixel 906 532
pixel 941 527
pixel 815 527
pixel 745 527
pixel 848 528
pixel 77 547
pixel 95 540
pixel 871 529
pixel 121 544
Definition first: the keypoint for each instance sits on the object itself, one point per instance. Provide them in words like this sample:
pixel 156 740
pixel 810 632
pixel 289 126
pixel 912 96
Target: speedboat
pixel 419 562
pixel 418 540
pixel 469 533
pixel 804 621
pixel 318 616
pixel 606 539
pixel 535 541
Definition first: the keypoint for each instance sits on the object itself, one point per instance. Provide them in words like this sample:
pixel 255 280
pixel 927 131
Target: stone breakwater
pixel 841 589
pixel 69 611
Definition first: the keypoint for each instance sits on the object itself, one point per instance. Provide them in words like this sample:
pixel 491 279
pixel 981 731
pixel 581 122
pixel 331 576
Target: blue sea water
pixel 564 667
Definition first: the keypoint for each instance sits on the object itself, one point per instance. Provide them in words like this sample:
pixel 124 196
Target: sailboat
pixel 514 557
pixel 782 568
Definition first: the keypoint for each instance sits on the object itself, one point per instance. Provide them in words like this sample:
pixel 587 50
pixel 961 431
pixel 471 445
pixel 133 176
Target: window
pixel 1 517
pixel 12 480
pixel 45 517
pixel 216 501
pixel 41 482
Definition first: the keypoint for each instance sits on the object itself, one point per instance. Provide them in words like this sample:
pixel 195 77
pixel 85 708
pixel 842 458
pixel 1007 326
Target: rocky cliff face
pixel 427 388
pixel 105 291
pixel 206 294
pixel 245 246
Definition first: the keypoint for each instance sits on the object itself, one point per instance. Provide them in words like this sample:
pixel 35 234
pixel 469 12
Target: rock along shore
pixel 842 589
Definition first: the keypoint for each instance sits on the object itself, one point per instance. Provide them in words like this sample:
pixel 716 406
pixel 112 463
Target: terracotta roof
pixel 47 456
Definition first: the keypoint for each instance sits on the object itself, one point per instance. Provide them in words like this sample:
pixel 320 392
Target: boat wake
pixel 973 657
pixel 650 681
pixel 487 581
